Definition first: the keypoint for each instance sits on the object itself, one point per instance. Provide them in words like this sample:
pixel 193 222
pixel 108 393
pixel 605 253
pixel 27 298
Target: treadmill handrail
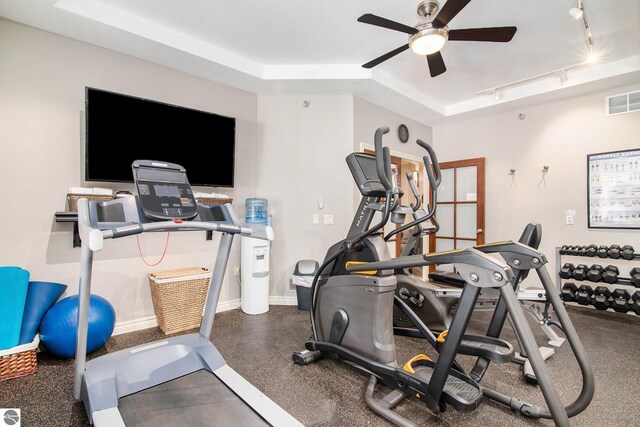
pixel 95 236
pixel 127 230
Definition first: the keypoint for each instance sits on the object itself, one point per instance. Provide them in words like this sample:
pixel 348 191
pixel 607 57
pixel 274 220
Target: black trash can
pixel 302 278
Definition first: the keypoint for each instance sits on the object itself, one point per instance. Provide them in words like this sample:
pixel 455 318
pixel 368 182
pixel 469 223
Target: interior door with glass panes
pixel 460 210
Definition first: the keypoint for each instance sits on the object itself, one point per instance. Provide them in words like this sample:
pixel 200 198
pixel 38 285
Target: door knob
pixel 479 230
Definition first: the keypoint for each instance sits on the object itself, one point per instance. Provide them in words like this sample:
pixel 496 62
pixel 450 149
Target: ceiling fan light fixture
pixel 428 40
pixel 430 35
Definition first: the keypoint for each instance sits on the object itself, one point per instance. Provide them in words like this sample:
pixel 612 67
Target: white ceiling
pixel 318 47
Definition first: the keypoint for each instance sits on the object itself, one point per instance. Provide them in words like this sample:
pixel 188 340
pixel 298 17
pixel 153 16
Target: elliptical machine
pixel 352 299
pixel 423 296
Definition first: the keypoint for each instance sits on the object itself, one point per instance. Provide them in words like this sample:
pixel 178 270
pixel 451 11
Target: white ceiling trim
pixel 408 91
pixel 315 72
pixel 134 24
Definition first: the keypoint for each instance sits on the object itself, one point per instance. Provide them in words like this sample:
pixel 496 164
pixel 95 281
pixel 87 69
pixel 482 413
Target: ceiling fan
pixel 431 34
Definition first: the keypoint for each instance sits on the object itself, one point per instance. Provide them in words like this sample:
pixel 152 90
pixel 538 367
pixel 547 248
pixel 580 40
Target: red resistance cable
pixel 166 245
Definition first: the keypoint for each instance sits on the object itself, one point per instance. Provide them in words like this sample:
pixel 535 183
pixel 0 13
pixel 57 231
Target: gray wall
pixel 42 81
pixel 301 159
pixel 559 134
pixel 368 117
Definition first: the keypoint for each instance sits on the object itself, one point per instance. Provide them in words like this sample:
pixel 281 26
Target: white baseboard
pixel 280 300
pixel 135 325
pixel 152 322
pixel 228 305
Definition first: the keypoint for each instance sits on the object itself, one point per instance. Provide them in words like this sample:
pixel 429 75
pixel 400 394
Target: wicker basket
pixel 178 297
pixel 73 199
pixel 19 361
pixel 214 200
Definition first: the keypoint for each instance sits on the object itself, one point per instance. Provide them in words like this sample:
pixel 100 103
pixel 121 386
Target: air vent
pixel 623 103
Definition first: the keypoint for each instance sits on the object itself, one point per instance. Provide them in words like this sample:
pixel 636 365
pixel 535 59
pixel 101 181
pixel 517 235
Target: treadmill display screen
pixel 167 191
pixel 163 190
pixel 162 175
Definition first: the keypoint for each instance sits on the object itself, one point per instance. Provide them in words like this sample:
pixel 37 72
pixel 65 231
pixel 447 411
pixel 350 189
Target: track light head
pixel 576 12
pixel 593 57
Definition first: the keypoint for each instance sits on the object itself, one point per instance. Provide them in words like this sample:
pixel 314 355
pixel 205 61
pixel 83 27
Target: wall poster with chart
pixel 614 189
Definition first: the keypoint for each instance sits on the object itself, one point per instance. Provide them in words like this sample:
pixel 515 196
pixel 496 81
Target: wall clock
pixel 403 133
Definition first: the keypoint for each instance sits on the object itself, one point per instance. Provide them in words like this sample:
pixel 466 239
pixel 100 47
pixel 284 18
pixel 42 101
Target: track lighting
pixel 592 57
pixel 563 76
pixel 563 73
pixel 576 12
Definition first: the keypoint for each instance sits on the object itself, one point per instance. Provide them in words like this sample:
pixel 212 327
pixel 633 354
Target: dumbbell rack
pixel 611 286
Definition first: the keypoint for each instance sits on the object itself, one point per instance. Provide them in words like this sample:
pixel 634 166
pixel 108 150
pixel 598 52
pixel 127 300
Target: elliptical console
pixel 163 190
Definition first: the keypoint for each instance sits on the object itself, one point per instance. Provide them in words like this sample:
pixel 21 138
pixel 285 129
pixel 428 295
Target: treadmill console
pixel 163 190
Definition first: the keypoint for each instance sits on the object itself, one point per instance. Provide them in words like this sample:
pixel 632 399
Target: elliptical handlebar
pixel 433 161
pixel 415 191
pixel 382 157
pixel 435 178
pixel 430 176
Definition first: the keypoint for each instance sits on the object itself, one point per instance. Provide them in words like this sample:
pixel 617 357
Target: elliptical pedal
pixel 494 349
pixel 460 391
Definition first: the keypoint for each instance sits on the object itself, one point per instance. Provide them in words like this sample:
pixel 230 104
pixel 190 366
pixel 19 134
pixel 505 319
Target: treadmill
pixel 180 380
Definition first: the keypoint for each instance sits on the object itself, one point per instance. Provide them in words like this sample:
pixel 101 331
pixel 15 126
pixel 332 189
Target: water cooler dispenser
pixel 254 292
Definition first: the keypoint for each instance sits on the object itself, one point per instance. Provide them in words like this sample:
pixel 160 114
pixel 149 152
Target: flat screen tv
pixel 122 128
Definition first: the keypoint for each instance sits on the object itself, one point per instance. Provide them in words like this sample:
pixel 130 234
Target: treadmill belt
pixel 197 399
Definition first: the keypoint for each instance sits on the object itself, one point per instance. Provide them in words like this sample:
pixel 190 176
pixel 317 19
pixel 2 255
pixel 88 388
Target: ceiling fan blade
pixel 494 34
pixel 369 18
pixel 386 56
pixel 436 64
pixel 450 9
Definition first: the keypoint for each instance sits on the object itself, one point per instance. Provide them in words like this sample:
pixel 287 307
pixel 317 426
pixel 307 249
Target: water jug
pixel 256 211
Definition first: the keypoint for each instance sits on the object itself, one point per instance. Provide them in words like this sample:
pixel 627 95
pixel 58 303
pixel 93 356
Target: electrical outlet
pixel 328 219
pixel 236 270
pixel 569 219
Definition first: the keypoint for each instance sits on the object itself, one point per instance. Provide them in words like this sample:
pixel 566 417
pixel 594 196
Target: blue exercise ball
pixel 59 326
